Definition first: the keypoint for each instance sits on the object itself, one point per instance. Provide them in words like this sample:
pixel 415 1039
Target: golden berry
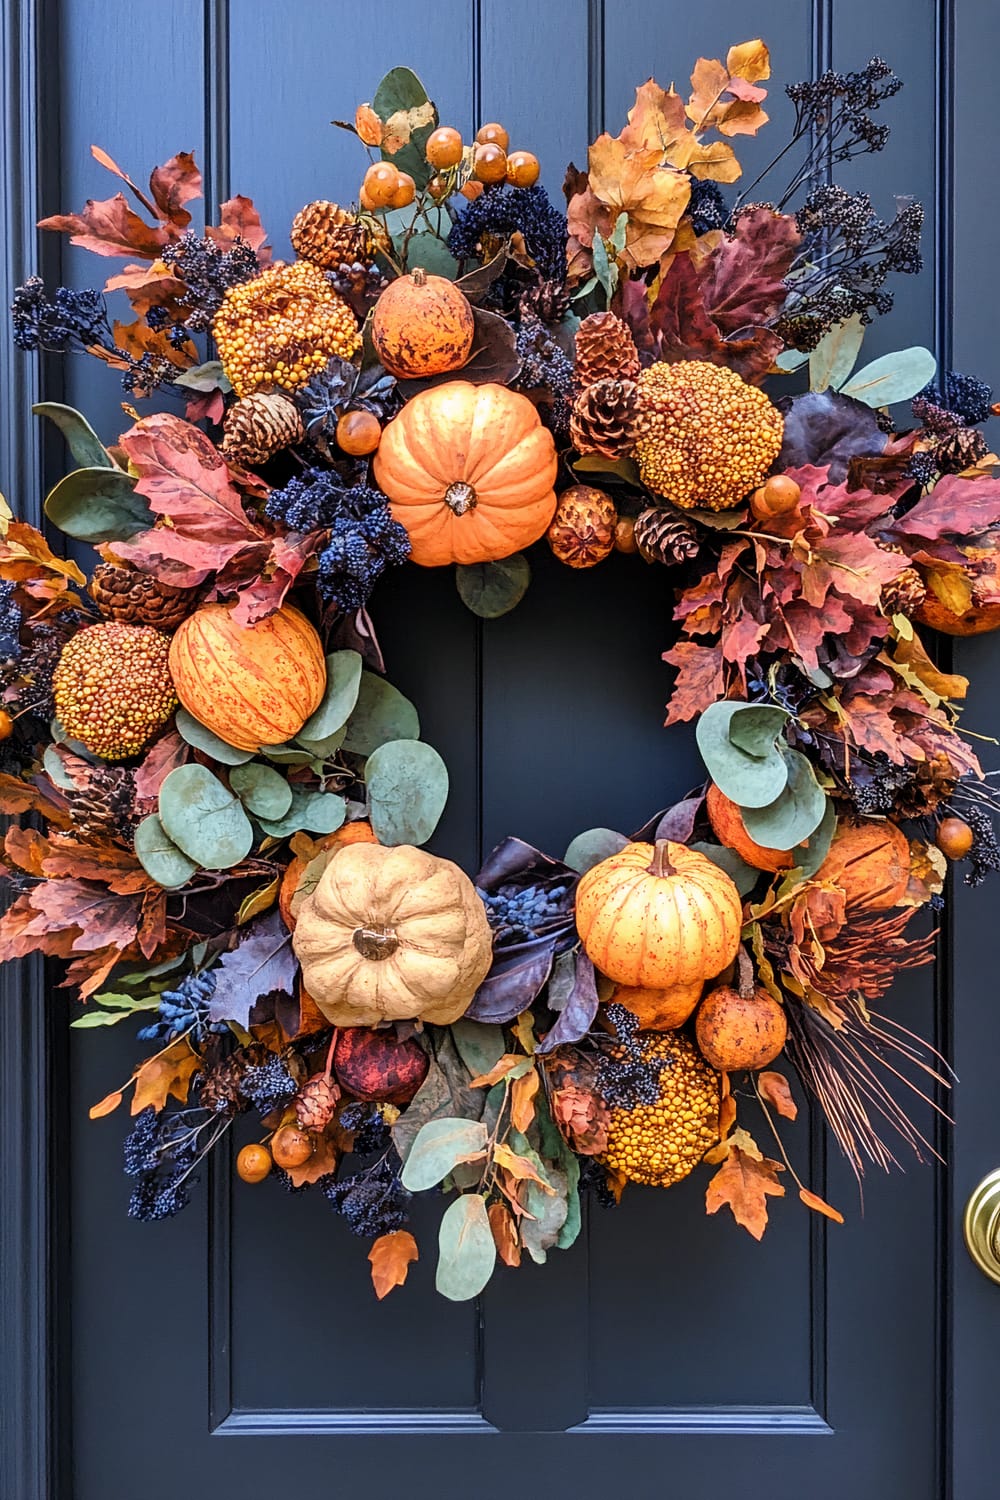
pixel 6 724
pixel 954 837
pixel 438 187
pixel 489 163
pixel 282 327
pixel 492 134
pixel 358 432
pixel 253 1163
pixel 444 147
pixel 291 1147
pixel 522 169
pixel 406 191
pixel 380 183
pixel 706 437
pixel 113 688
pixel 658 1144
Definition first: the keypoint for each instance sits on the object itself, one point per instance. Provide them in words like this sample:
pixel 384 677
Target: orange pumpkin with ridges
pixel 658 917
pixel 729 828
pixel 252 685
pixel 422 325
pixel 660 1009
pixel 469 471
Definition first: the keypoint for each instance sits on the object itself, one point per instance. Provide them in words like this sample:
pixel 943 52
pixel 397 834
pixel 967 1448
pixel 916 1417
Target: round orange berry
pixel 954 837
pixel 380 183
pixel 522 169
pixel 6 724
pixel 254 1163
pixel 358 432
pixel 489 163
pixel 406 191
pixel 492 134
pixel 444 147
pixel 291 1147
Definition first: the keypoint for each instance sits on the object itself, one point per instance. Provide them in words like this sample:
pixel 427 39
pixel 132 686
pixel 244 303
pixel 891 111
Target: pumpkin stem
pixel 329 1056
pixel 660 864
pixel 419 276
pixel 375 942
pixel 460 497
pixel 744 974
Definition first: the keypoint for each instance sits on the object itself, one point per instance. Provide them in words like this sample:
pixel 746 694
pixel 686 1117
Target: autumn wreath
pixel 220 802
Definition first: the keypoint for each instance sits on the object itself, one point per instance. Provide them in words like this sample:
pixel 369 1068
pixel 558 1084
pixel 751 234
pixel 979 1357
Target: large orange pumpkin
pixel 729 828
pixel 252 685
pixel 870 862
pixel 658 917
pixel 469 470
pixel 422 325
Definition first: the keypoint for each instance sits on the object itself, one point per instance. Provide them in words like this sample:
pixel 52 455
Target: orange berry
pixel 471 190
pixel 364 201
pixel 291 1147
pixel 438 186
pixel 492 134
pixel 444 147
pixel 489 163
pixel 253 1163
pixel 359 432
pixel 522 169
pixel 406 191
pixel 6 724
pixel 380 183
pixel 954 837
pixel 625 535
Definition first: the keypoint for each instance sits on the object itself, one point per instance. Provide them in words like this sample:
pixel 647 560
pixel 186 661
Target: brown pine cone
pixel 315 1103
pixel 220 1085
pixel 259 426
pixel 329 235
pixel 905 594
pixel 104 806
pixel 604 418
pixel 548 300
pixel 123 593
pixel 663 537
pixel 962 449
pixel 582 532
pixel 605 350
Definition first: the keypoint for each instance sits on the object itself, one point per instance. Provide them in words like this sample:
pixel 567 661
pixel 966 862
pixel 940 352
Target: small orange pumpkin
pixel 470 471
pixel 982 613
pixel 737 1029
pixel 870 862
pixel 422 325
pixel 658 918
pixel 729 828
pixel 659 1009
pixel 252 685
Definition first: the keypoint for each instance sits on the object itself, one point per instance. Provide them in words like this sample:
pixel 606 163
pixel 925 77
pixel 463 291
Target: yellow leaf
pixel 368 125
pixel 750 60
pixel 259 900
pixel 911 654
pixel 656 122
pixel 168 1073
pixel 812 1201
pixel 519 1167
pixel 715 162
pixel 950 583
pixel 390 1258
pixel 505 1235
pixel 709 82
pixel 524 1030
pixel 744 1183
pixel 6 515
pixel 522 1102
pixel 107 1106
pixel 499 1070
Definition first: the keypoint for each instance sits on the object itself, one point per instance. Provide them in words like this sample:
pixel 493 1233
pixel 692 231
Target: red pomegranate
pixel 377 1066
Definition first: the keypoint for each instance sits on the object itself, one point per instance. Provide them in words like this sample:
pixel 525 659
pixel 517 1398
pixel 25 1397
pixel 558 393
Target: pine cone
pixel 259 426
pixel 548 300
pixel 582 532
pixel 104 806
pixel 604 418
pixel 605 350
pixel 123 593
pixel 961 450
pixel 905 594
pixel 220 1085
pixel 662 536
pixel 315 1103
pixel 329 235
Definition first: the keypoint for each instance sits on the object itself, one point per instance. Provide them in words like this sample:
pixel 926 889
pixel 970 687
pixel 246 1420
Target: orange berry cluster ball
pixel 113 688
pixel 279 329
pixel 491 160
pixel 705 436
pixel 658 1144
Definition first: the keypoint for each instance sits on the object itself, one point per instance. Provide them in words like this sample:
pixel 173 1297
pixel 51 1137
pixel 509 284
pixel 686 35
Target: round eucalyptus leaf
pixel 262 790
pixel 812 854
pixel 749 780
pixel 794 815
pixel 491 589
pixel 407 785
pixel 98 505
pixel 55 769
pixel 159 855
pixel 743 876
pixel 381 714
pixel 84 444
pixel 310 811
pixel 320 750
pixel 466 1252
pixel 893 377
pixel 343 680
pixel 755 727
pixel 204 818
pixel 439 1147
pixel 589 848
pixel 191 729
pixel 288 755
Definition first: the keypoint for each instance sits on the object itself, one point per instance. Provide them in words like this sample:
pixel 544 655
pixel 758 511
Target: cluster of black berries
pixel 360 285
pixel 518 913
pixel 545 365
pixel 875 784
pixel 374 1201
pixel 38 664
pixel 627 1078
pixel 363 539
pixel 594 1179
pixel 59 322
pixel 707 207
pixel 11 618
pixel 340 386
pixel 502 210
pixel 984 856
pixel 366 1123
pixel 837 109
pixel 783 685
pixel 267 1084
pixel 953 400
pixel 185 1009
pixel 161 1153
pixel 208 271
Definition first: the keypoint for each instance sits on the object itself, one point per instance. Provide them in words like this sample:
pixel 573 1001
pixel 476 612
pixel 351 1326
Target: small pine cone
pixel 582 532
pixel 220 1085
pixel 104 807
pixel 663 537
pixel 962 450
pixel 905 594
pixel 328 235
pixel 259 426
pixel 548 300
pixel 123 593
pixel 605 350
pixel 315 1103
pixel 604 418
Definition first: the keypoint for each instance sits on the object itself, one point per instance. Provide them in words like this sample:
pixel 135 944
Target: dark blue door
pixel 237 1353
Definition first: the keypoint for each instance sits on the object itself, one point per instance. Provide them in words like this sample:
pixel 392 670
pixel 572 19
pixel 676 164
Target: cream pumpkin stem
pixel 419 276
pixel 375 942
pixel 660 864
pixel 460 497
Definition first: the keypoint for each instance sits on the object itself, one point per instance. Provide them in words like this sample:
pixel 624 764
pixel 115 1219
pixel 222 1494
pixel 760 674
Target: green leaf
pixel 191 729
pixel 207 377
pixel 160 857
pixel 743 876
pixel 311 811
pixel 432 254
pixel 407 785
pixel 589 848
pixel 99 1018
pixel 573 1221
pixel 792 359
pixel 491 589
pixel 292 755
pixel 466 1252
pixel 439 1146
pixel 381 714
pixel 98 505
pixel 480 1046
pixel 749 780
pixel 262 790
pixel 894 377
pixel 56 771
pixel 617 238
pixel 833 358
pixel 794 815
pixel 204 818
pixel 401 89
pixel 818 845
pixel 755 728
pixel 343 681
pixel 84 444
pixel 603 269
pixel 618 468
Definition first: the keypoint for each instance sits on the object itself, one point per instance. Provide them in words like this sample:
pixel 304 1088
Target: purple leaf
pixel 515 980
pixel 825 428
pixel 514 857
pixel 577 1015
pixel 262 963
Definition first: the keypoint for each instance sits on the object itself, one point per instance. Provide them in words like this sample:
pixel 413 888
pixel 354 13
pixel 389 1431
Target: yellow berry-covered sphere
pixel 282 327
pixel 113 688
pixel 659 1144
pixel 705 437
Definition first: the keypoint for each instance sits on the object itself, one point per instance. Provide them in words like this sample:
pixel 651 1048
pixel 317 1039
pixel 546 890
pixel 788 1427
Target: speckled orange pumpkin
pixel 870 862
pixel 658 1009
pixel 252 685
pixel 737 1030
pixel 729 828
pixel 658 917
pixel 983 610
pixel 422 325
pixel 469 470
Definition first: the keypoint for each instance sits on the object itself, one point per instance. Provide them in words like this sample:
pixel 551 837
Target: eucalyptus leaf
pixel 293 755
pixel 492 589
pixel 743 876
pixel 92 1018
pixel 440 1145
pixel 589 848
pixel 748 780
pixel 407 784
pixel 191 729
pixel 894 377
pixel 343 683
pixel 549 1211
pixel 160 857
pixel 204 818
pixel 466 1252
pixel 380 714
pixel 98 505
pixel 818 845
pixel 310 811
pixel 624 469
pixel 206 377
pixel 602 266
pixel 400 92
pixel 794 815
pixel 833 358
pixel 755 728
pixel 83 442
pixel 432 255
pixel 55 769
pixel 262 790
pixel 791 360
pixel 479 1046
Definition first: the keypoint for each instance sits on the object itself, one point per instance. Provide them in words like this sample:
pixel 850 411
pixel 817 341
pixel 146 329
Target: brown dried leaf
pixel 107 1105
pixel 812 1201
pixel 110 227
pixel 635 183
pixel 744 1183
pixel 774 1090
pixel 700 680
pixel 522 1100
pixel 177 182
pixel 390 1257
pixel 519 1167
pixel 505 1235
pixel 166 1075
pixel 239 219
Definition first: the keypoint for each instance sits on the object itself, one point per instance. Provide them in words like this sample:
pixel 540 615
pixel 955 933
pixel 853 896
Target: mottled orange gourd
pixel 422 325
pixel 870 862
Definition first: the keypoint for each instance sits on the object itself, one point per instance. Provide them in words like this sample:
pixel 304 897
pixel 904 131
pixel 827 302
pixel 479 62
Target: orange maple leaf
pixel 390 1258
pixel 636 183
pixel 744 1183
pixel 167 1074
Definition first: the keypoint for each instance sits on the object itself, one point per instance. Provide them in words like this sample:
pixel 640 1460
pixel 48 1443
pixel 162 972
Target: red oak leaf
pixel 954 507
pixel 110 227
pixel 183 477
pixel 177 182
pixel 239 219
pixel 700 680
pixel 744 277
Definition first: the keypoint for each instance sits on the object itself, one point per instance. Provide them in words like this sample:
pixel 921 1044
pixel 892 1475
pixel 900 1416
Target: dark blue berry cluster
pixel 11 617
pixel 500 211
pixel 208 271
pixel 960 396
pixel 626 1076
pixel 518 913
pixel 367 1124
pixel 267 1084
pixel 58 322
pixel 185 1009
pixel 363 538
pixel 161 1153
pixel 372 1202
pixel 707 207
